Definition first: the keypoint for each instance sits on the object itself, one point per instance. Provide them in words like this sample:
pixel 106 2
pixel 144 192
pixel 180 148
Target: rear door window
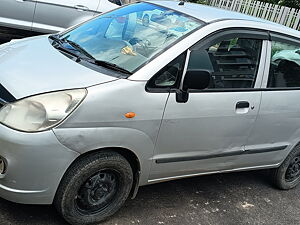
pixel 285 65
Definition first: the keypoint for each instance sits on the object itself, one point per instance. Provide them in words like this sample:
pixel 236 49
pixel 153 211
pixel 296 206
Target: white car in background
pixel 287 55
pixel 49 16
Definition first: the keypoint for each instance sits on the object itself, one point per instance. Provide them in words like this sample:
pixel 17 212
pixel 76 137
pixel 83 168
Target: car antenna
pixel 181 2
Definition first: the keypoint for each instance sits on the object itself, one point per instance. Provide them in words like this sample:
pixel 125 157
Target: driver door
pixel 208 132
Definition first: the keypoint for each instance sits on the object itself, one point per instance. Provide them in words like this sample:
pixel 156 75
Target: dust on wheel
pixel 97 192
pixel 287 176
pixel 94 188
pixel 293 170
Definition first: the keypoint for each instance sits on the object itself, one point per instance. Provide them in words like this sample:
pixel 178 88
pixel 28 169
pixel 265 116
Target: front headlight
pixel 41 112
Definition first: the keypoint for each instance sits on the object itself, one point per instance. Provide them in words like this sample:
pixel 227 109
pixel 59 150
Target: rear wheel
pixel 94 188
pixel 287 176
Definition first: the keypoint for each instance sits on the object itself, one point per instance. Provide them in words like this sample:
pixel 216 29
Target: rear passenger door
pixel 278 123
pixel 17 13
pixel 208 133
pixel 57 15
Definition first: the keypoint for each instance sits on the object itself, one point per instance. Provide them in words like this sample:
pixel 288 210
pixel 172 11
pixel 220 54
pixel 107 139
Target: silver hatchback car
pixel 149 92
pixel 48 16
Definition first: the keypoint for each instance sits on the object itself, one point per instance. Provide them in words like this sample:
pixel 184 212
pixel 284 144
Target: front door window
pixel 233 63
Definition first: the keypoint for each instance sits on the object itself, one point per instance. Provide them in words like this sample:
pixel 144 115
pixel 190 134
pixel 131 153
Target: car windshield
pixel 132 35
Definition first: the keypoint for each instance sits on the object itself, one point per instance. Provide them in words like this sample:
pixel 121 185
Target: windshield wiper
pixel 79 48
pixel 90 59
pixel 55 38
pixel 60 47
pixel 70 52
pixel 111 66
pixel 78 58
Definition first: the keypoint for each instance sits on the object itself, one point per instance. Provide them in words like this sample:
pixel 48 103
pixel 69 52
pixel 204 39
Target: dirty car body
pixel 174 90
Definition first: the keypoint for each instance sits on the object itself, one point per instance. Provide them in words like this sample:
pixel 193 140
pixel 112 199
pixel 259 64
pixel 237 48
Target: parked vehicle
pixel 287 55
pixel 49 16
pixel 149 92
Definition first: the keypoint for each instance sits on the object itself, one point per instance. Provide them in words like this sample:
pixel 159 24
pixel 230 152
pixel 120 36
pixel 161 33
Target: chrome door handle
pixel 81 8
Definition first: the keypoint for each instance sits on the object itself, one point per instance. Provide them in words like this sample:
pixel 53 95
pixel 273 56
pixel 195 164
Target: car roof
pixel 209 14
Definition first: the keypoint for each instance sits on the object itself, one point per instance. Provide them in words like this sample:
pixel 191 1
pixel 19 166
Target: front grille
pixel 5 96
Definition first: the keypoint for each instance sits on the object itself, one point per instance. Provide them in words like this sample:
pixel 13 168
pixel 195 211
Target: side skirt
pixel 213 172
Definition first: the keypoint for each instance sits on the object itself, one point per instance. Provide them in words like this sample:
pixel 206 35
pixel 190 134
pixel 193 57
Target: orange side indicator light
pixel 130 115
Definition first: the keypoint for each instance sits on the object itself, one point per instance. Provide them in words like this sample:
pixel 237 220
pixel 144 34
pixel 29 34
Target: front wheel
pixel 287 176
pixel 94 188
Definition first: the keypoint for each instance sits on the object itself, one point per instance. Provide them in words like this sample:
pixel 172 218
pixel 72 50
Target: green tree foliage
pixel 200 1
pixel 288 3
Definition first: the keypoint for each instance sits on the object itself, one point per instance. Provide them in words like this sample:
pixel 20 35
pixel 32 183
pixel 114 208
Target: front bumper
pixel 36 163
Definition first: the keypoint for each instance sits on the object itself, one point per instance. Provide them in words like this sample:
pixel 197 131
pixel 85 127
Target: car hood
pixel 32 66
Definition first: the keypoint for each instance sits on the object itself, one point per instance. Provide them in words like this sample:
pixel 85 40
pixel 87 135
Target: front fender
pixel 84 140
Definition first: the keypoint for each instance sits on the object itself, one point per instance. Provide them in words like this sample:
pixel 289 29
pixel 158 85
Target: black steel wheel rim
pixel 97 192
pixel 293 170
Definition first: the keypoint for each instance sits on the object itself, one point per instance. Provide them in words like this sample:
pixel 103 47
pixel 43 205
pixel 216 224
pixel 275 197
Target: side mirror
pixel 194 79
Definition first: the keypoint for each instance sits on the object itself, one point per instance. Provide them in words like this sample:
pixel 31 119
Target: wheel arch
pixel 129 155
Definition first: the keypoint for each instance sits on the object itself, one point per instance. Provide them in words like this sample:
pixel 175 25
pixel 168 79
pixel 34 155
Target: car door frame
pixel 276 152
pixel 243 32
pixel 220 33
pixel 275 36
